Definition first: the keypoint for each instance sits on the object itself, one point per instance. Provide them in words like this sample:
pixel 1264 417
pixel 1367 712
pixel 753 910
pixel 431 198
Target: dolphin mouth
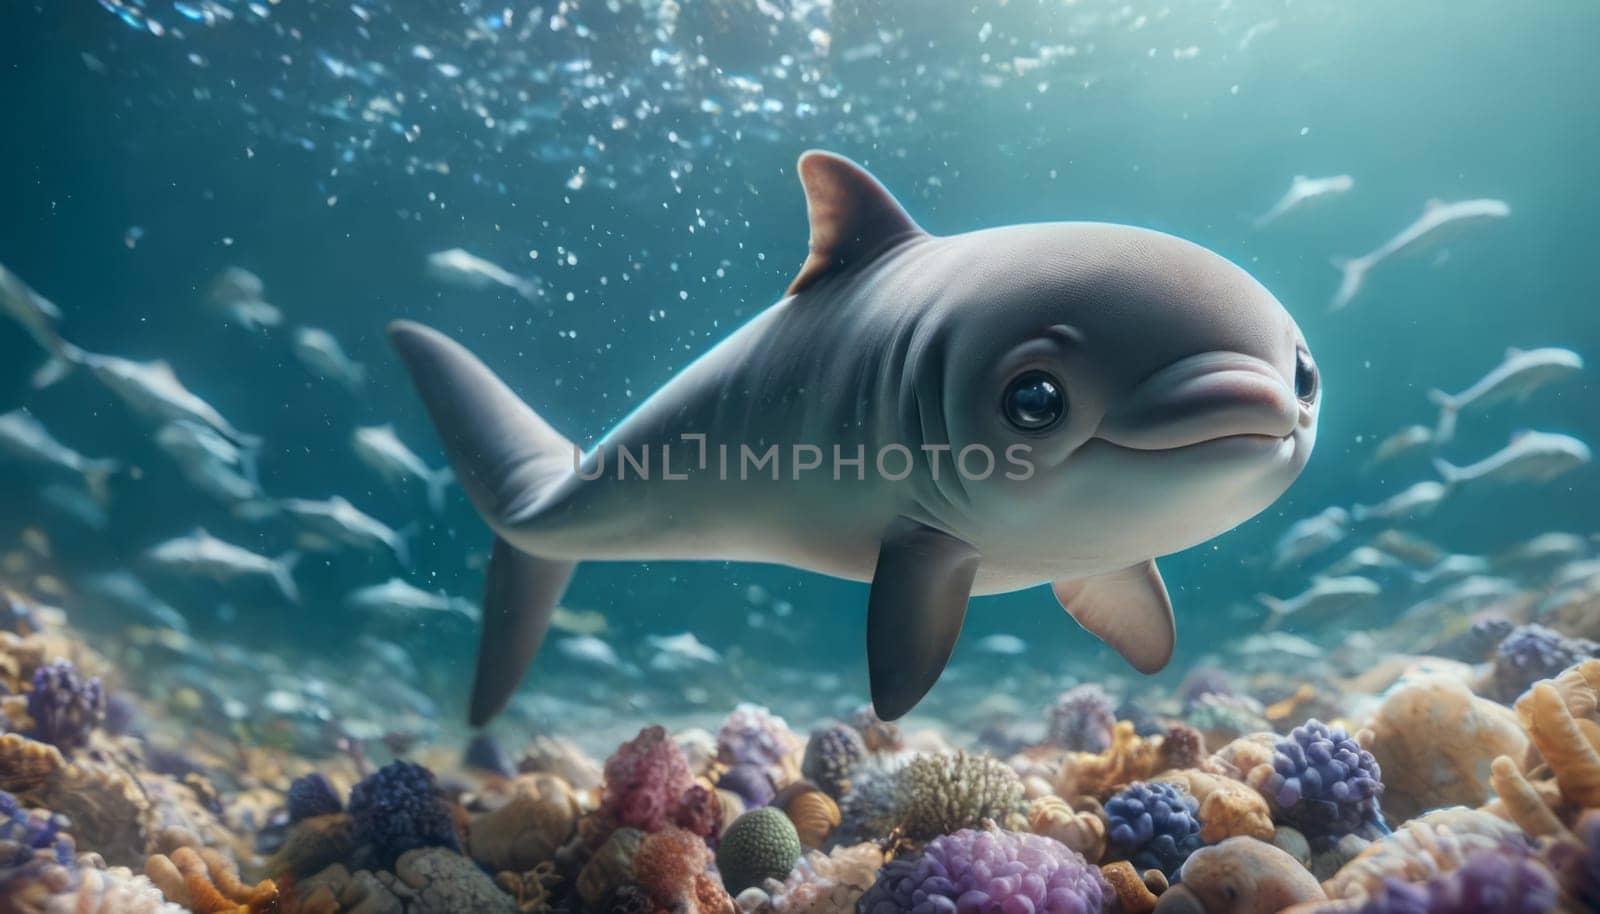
pixel 1206 399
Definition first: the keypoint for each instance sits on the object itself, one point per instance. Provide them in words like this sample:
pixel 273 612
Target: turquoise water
pixel 647 161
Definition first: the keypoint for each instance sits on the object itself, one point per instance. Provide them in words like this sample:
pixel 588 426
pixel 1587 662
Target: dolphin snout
pixel 1203 398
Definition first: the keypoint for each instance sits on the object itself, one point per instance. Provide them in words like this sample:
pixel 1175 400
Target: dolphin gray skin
pixel 1438 220
pixel 1516 378
pixel 1161 396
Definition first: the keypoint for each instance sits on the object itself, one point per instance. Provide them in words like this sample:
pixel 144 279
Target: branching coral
pixel 1130 758
pixel 206 882
pixel 939 794
pixel 989 872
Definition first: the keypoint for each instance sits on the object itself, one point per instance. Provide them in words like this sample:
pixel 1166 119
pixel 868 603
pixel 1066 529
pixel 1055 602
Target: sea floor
pixel 145 771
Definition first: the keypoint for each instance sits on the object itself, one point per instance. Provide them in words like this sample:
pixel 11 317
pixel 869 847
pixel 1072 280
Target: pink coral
pixel 668 862
pixel 645 780
pixel 700 812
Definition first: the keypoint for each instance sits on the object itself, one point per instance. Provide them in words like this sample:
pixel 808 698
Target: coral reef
pixel 829 883
pixel 989 872
pixel 1529 653
pixel 1324 783
pixel 1084 832
pixel 1435 740
pixel 830 753
pixel 537 816
pixel 645 781
pixel 753 735
pixel 312 795
pixel 1154 825
pixel 206 882
pixel 815 814
pixel 751 783
pixel 867 812
pixel 399 808
pixel 1081 719
pixel 761 845
pixel 1240 876
pixel 940 794
pixel 64 705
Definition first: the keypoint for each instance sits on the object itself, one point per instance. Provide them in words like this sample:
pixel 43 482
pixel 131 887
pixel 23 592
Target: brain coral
pixel 762 844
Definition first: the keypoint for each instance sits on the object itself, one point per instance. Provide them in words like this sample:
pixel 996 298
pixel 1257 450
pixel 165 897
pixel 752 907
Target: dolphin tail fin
pixel 507 459
pixel 1448 408
pixel 283 576
pixel 1448 472
pixel 1355 275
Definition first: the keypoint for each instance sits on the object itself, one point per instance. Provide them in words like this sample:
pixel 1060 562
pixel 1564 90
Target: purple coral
pixel 399 808
pixel 830 754
pixel 1203 681
pixel 750 782
pixel 1154 825
pixel 1577 863
pixel 64 705
pixel 1488 883
pixel 753 735
pixel 1082 719
pixel 645 780
pixel 29 841
pixel 989 872
pixel 1531 653
pixel 1326 785
pixel 312 795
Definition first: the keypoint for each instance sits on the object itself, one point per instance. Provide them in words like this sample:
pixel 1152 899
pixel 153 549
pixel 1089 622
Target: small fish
pixel 1278 643
pixel 1546 549
pixel 395 597
pixel 1302 192
pixel 124 590
pixel 1325 600
pixel 338 521
pixel 1307 537
pixel 1438 220
pixel 1409 548
pixel 153 389
pixel 1417 500
pixel 211 463
pixel 1522 373
pixel 38 316
pixel 322 355
pixel 76 503
pixel 1003 645
pixel 200 553
pixel 1406 440
pixel 381 449
pixel 675 653
pixel 589 650
pixel 463 268
pixel 237 293
pixel 1531 457
pixel 579 622
pixel 1453 568
pixel 25 438
pixel 1367 561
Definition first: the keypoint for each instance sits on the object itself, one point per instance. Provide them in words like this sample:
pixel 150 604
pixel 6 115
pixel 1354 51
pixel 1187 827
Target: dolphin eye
pixel 1034 401
pixel 1305 376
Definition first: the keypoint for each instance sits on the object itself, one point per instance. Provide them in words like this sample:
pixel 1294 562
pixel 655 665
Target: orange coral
pixel 1130 758
pixel 206 882
pixel 667 862
pixel 1084 832
pixel 27 764
pixel 1133 896
pixel 815 815
pixel 1573 759
pixel 1228 808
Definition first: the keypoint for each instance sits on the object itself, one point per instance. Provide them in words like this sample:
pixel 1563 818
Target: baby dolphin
pixel 1057 402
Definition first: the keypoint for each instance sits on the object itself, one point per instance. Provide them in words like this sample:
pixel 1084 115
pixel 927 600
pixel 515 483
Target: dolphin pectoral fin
pixel 851 215
pixel 519 598
pixel 914 614
pixel 1128 610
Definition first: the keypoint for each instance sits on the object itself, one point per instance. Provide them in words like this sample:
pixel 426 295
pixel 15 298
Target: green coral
pixel 760 845
pixel 942 794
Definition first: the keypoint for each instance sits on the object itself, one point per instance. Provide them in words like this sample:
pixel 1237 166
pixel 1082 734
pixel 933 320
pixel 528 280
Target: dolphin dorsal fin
pixel 852 216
